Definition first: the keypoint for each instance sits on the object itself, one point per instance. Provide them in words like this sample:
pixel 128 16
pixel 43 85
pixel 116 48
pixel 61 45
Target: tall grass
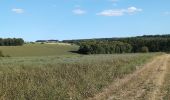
pixel 61 78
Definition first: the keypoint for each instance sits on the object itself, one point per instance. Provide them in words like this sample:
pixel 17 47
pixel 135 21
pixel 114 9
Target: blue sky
pixel 78 19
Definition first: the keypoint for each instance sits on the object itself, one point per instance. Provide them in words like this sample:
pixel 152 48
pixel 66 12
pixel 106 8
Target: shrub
pixel 144 49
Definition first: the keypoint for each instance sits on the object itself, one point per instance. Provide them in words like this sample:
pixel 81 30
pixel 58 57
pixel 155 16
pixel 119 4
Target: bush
pixel 144 49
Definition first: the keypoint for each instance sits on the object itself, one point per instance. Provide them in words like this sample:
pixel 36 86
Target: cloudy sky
pixel 78 19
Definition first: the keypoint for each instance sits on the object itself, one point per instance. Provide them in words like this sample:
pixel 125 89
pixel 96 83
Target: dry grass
pixel 166 87
pixel 63 77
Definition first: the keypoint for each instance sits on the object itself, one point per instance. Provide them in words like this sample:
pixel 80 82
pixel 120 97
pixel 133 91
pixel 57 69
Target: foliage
pixel 11 42
pixel 144 49
pixel 104 47
pixel 155 43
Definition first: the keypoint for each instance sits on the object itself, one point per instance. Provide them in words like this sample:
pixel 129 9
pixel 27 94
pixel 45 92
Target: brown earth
pixel 144 84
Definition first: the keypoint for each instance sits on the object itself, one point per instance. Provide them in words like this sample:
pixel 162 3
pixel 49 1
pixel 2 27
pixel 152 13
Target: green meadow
pixel 38 50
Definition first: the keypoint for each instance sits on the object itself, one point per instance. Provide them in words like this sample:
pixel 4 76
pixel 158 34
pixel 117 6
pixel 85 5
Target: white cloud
pixel 18 10
pixel 119 12
pixel 79 11
pixel 133 10
pixel 111 13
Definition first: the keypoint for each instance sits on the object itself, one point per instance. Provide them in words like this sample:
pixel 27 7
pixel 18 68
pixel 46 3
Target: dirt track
pixel 144 84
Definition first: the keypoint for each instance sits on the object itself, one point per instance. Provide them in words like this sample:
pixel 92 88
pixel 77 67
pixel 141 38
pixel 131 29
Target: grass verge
pixel 166 87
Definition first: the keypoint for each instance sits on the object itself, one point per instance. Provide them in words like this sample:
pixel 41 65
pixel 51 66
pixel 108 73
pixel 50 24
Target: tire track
pixel 144 84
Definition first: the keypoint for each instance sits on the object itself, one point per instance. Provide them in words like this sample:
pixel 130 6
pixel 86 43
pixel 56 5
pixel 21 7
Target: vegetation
pixel 154 43
pixel 47 41
pixel 60 78
pixel 38 50
pixel 1 54
pixel 166 87
pixel 104 47
pixel 55 73
pixel 11 42
pixel 144 49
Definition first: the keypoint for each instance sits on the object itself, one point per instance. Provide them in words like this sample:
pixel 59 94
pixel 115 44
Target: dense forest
pixel 11 41
pixel 100 47
pixel 153 43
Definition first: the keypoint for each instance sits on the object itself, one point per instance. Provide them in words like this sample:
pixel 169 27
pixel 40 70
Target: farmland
pixel 148 83
pixel 62 76
pixel 53 72
pixel 38 50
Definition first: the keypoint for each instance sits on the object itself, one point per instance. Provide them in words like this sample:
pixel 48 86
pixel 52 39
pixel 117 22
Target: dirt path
pixel 144 84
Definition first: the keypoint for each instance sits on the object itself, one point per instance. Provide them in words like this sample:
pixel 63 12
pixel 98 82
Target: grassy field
pixel 62 77
pixel 38 50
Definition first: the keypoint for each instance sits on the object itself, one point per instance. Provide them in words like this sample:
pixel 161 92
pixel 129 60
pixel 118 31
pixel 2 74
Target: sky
pixel 81 19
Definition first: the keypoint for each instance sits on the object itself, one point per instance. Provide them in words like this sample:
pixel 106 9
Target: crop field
pixel 62 77
pixel 54 72
pixel 38 50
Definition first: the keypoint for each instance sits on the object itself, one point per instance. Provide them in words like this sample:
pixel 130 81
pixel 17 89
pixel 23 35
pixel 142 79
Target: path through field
pixel 144 84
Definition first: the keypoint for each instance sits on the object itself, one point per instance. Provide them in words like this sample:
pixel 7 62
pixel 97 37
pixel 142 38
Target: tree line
pixel 11 41
pixel 154 44
pixel 104 47
pixel 146 43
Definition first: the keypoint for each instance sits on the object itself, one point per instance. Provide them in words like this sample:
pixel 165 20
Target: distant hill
pixel 118 38
pixel 48 41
